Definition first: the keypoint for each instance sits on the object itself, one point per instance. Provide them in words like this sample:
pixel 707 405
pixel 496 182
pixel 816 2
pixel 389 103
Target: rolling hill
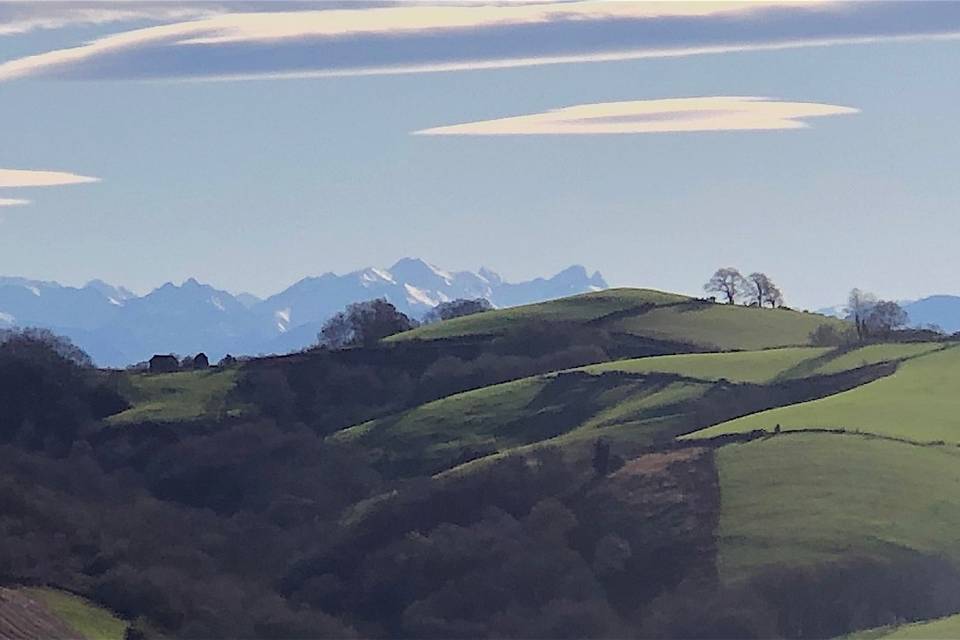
pixel 855 486
pixel 442 434
pixel 645 313
pixel 633 402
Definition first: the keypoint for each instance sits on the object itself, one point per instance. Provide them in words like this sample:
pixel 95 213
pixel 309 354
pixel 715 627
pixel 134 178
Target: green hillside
pixel 723 327
pixel 873 354
pixel 438 435
pixel 645 313
pixel 737 366
pixel 87 619
pixel 919 402
pixel 177 397
pixel 631 401
pixel 948 627
pixel 800 499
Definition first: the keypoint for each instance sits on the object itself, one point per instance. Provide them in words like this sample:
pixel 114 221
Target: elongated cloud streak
pixel 26 178
pixel 715 113
pixel 22 17
pixel 416 38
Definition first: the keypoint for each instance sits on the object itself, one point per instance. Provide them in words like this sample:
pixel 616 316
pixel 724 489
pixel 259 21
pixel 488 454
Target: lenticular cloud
pixel 27 178
pixel 712 113
pixel 22 178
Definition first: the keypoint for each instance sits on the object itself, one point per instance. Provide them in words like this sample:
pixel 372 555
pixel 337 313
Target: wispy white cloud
pixel 12 202
pixel 416 37
pixel 23 17
pixel 11 178
pixel 711 113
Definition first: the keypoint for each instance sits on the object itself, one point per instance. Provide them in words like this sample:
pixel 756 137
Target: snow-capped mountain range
pixel 117 327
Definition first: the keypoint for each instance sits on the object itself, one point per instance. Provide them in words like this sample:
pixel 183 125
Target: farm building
pixel 164 364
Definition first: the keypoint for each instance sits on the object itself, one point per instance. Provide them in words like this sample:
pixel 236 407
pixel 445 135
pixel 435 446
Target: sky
pixel 252 144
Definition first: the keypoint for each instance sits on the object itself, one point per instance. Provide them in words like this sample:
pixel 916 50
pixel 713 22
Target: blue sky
pixel 251 184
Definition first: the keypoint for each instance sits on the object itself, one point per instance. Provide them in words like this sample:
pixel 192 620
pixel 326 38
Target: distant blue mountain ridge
pixel 117 327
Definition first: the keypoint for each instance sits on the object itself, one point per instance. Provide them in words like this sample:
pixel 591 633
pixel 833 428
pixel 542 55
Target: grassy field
pixel 739 366
pixel 725 327
pixel 948 627
pixel 475 414
pixel 919 402
pixel 580 308
pixel 86 618
pixel 632 415
pixel 874 354
pixel 623 408
pixel 178 397
pixel 540 409
pixel 807 498
pixel 611 400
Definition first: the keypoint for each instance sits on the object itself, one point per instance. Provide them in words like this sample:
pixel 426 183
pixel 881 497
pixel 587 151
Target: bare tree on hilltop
pixel 764 291
pixel 872 317
pixel 859 304
pixel 728 283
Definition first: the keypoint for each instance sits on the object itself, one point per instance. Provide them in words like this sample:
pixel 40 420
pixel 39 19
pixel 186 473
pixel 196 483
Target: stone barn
pixel 164 364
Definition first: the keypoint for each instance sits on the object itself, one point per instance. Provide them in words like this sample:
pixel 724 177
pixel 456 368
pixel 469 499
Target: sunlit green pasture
pixel 178 397
pixel 920 401
pixel 802 499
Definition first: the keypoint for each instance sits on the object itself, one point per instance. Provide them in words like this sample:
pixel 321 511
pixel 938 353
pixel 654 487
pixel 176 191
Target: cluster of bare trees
pixel 756 289
pixel 872 317
pixel 868 318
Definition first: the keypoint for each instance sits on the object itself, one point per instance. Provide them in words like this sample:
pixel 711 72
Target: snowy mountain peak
pixel 421 271
pixel 490 276
pixel 117 327
pixel 372 276
pixel 115 295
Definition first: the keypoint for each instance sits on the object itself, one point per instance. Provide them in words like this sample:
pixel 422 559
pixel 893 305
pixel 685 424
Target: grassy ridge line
pixel 918 402
pixel 89 620
pixel 648 314
pixel 738 366
pixel 585 307
pixel 812 498
pixel 843 360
